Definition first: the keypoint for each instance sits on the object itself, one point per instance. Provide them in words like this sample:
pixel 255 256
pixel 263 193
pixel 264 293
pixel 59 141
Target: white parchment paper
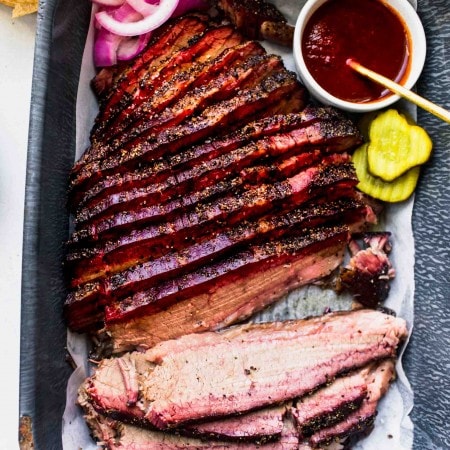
pixel 393 428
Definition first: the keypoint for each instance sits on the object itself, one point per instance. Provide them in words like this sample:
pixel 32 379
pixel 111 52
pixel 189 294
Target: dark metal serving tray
pixel 61 32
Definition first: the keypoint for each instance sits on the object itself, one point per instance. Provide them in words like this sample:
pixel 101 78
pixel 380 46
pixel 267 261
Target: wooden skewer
pixel 401 91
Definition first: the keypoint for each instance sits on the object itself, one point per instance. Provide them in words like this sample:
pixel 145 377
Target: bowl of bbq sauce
pixel 385 36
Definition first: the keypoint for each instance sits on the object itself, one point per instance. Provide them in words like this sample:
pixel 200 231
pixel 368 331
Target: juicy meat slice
pixel 121 436
pixel 262 425
pixel 109 226
pixel 133 438
pixel 212 283
pixel 350 211
pixel 211 45
pixel 246 103
pixel 125 73
pixel 151 116
pixel 331 404
pixel 247 367
pixel 176 36
pixel 369 270
pixel 362 419
pixel 233 296
pixel 136 246
pixel 199 47
pixel 328 135
pixel 162 168
pixel 145 275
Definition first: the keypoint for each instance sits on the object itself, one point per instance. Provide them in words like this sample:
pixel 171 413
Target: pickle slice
pixel 395 146
pixel 394 191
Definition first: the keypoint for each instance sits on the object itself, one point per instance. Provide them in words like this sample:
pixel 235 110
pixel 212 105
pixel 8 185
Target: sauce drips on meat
pixel 367 31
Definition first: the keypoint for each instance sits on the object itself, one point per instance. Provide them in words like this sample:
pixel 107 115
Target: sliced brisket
pixel 196 48
pixel 152 98
pixel 160 169
pixel 247 367
pixel 205 196
pixel 211 285
pixel 246 103
pixel 261 426
pixel 331 404
pixel 87 297
pixel 361 420
pixel 326 135
pixel 115 435
pixel 176 36
pixel 138 245
pixel 240 74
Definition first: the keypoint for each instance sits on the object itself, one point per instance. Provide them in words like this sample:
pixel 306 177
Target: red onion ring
pixel 105 48
pixel 124 14
pixel 161 14
pixel 123 27
pixel 130 47
pixel 142 7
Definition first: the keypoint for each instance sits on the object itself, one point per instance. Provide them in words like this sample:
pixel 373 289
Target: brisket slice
pixel 211 283
pixel 214 298
pixel 344 211
pixel 115 435
pixel 260 426
pixel 351 212
pixel 140 244
pixel 246 103
pixel 133 438
pixel 107 227
pixel 210 46
pixel 162 38
pixel 331 404
pixel 378 379
pixel 328 135
pixel 200 376
pixel 243 71
pixel 160 169
pixel 196 47
pixel 176 36
pixel 239 75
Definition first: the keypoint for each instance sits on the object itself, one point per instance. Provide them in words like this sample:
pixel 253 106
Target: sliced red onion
pixel 109 2
pixel 124 14
pixel 122 25
pixel 105 48
pixel 130 47
pixel 162 13
pixel 142 7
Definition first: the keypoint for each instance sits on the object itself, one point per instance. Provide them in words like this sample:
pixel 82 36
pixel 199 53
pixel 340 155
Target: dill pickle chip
pixel 394 191
pixel 396 146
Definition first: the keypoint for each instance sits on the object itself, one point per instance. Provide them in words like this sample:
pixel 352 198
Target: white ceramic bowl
pixel 417 56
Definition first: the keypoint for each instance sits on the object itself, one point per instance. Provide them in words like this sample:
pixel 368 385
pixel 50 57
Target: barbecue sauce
pixel 367 31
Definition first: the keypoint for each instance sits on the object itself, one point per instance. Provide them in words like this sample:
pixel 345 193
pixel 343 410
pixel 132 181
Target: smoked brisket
pixel 210 190
pixel 207 375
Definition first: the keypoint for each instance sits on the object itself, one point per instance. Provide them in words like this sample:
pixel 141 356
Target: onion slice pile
pixel 124 27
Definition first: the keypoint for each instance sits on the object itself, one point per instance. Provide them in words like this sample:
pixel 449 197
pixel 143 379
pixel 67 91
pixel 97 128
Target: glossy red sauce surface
pixel 367 31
